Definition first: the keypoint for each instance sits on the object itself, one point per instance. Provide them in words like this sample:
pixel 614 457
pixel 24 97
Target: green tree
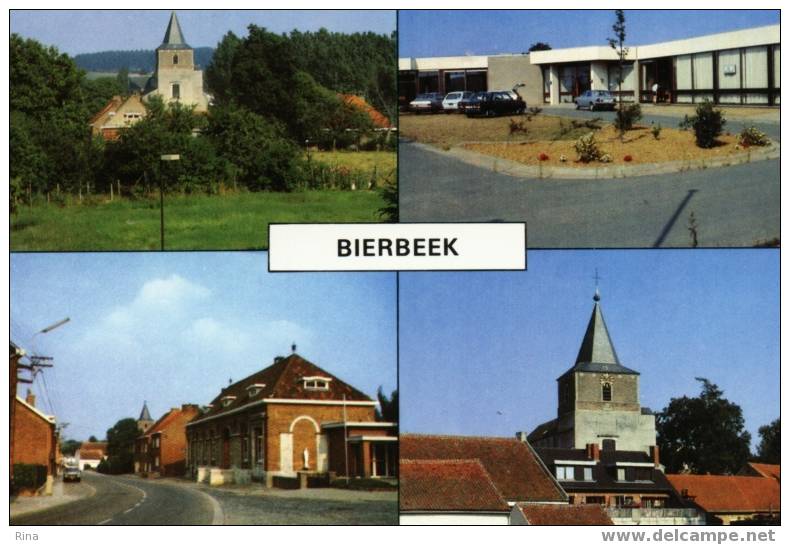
pixel 617 42
pixel 769 449
pixel 92 439
pixel 388 411
pixel 69 446
pixel 539 46
pixel 219 74
pixel 703 434
pixel 122 80
pixel 120 445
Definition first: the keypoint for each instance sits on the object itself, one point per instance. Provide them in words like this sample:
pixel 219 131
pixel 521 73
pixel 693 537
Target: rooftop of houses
pixel 564 515
pixel 513 466
pixel 762 470
pixel 448 485
pixel 170 417
pixel 289 378
pixel 728 493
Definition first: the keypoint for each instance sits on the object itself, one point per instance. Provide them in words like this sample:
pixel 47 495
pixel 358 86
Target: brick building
pixel 162 448
pixel 35 437
pixel 290 418
pixel 90 454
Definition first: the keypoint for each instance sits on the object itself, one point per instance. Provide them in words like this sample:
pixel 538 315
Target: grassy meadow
pixel 197 222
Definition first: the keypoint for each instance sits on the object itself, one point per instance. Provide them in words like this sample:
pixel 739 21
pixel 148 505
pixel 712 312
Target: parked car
pixel 72 473
pixel 495 103
pixel 466 101
pixel 452 101
pixel 595 100
pixel 426 102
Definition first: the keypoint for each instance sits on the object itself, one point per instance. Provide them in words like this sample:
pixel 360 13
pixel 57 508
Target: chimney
pixel 521 436
pixel 654 455
pixel 30 398
pixel 593 451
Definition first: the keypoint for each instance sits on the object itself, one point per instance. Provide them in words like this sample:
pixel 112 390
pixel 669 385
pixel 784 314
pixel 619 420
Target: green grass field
pixel 236 221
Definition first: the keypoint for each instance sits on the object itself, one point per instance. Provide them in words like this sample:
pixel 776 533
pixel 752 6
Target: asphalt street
pixel 121 500
pixel 731 206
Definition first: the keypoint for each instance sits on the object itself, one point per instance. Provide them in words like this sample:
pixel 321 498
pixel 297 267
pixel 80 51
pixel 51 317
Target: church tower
pixel 598 399
pixel 145 421
pixel 176 79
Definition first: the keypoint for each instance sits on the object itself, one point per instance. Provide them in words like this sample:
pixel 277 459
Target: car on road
pixel 426 102
pixel 595 100
pixel 452 101
pixel 493 103
pixel 72 473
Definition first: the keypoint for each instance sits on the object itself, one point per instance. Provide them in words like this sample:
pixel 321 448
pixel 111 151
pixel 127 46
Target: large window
pixel 755 73
pixel 176 91
pixel 606 391
pixel 564 473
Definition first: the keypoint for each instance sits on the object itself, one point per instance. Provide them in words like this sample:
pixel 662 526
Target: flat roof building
pixel 737 67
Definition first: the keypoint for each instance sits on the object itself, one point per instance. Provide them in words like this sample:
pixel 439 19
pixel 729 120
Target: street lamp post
pixel 167 158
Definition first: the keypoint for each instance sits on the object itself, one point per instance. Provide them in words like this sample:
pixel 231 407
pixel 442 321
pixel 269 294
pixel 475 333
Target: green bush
pixel 656 131
pixel 104 466
pixel 587 148
pixel 750 136
pixel 626 117
pixel 707 124
pixel 29 476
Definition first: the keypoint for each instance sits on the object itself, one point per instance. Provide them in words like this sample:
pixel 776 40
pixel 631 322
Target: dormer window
pixel 316 383
pixel 255 389
pixel 227 400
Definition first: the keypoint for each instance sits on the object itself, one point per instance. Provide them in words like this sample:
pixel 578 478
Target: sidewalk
pixel 60 494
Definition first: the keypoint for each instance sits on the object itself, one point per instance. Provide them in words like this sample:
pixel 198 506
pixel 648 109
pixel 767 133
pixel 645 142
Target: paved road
pixel 732 206
pixel 123 500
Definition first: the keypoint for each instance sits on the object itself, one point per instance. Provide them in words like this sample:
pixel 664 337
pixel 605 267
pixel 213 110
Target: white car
pixel 451 101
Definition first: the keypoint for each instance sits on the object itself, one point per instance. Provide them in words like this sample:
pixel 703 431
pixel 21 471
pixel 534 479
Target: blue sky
pixel 172 328
pixel 473 344
pixel 75 31
pixel 449 33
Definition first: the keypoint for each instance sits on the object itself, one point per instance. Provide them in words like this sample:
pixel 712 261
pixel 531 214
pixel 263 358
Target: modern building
pixel 501 472
pixel 291 419
pixel 162 448
pixel 729 499
pixel 598 400
pixel 35 438
pixel 738 67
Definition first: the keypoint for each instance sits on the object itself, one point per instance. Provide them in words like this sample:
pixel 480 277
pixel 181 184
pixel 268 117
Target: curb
pixel 520 170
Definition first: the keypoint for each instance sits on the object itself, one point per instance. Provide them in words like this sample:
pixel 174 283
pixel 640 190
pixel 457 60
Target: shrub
pixel 750 136
pixel 628 158
pixel 535 110
pixel 627 116
pixel 656 131
pixel 104 466
pixel 518 127
pixel 587 148
pixel 707 124
pixel 686 123
pixel 543 157
pixel 29 476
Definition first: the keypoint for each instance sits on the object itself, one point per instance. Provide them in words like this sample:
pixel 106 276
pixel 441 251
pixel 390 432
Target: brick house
pixel 35 437
pixel 162 448
pixel 288 419
pixel 118 114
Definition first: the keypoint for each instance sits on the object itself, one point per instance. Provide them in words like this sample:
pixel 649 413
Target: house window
pixel 588 474
pixel 175 59
pixel 595 499
pixel 620 473
pixel 227 400
pixel 176 91
pixel 564 473
pixel 606 391
pixel 259 445
pixel 316 383
pixel 643 473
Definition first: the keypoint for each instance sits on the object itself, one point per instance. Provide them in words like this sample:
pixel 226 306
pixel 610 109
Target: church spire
pixel 144 414
pixel 597 345
pixel 174 38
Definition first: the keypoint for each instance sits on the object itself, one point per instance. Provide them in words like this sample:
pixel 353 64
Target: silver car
pixel 451 101
pixel 595 100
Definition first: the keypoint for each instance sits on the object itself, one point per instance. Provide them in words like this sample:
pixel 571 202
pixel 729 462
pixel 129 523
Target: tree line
pixel 269 102
pixel 141 61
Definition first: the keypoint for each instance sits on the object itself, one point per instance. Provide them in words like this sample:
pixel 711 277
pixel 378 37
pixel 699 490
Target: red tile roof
pixel 379 120
pixel 515 469
pixel 767 470
pixel 448 485
pixel 727 494
pixel 94 446
pixel 184 414
pixel 283 380
pixel 565 515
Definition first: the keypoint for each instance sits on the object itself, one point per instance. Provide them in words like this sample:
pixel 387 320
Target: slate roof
pixel 282 380
pixel 729 493
pixel 174 37
pixel 514 467
pixel 597 353
pixel 565 515
pixel 448 485
pixel 603 478
pixel 144 414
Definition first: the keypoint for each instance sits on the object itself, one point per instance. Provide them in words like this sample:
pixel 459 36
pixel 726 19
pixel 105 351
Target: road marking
pixel 105 521
pixel 131 509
